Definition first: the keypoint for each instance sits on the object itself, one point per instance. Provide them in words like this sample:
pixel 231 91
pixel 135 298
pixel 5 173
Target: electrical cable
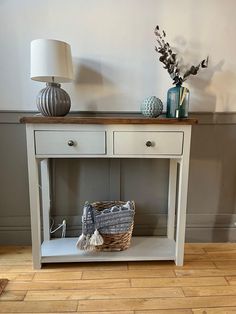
pixel 63 226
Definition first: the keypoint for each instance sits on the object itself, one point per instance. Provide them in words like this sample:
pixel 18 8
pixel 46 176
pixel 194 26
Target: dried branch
pixel 170 60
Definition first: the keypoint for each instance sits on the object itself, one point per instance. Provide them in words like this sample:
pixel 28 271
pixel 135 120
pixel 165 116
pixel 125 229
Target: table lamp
pixel 51 62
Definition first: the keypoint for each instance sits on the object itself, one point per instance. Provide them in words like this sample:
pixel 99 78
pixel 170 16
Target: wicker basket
pixel 118 241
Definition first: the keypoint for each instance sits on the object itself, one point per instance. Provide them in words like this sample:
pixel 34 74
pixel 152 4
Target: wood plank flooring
pixel 206 284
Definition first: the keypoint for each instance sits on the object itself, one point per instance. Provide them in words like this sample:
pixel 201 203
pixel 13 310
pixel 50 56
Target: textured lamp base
pixel 53 101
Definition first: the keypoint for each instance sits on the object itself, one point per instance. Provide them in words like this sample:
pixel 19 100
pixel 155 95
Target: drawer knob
pixel 71 143
pixel 149 144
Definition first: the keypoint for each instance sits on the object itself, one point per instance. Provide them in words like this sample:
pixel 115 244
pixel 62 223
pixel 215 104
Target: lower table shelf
pixel 142 248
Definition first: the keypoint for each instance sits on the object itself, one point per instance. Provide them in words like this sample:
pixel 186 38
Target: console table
pixel 103 137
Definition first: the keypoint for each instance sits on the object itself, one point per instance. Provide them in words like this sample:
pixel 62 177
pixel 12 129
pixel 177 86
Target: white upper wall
pixel 112 44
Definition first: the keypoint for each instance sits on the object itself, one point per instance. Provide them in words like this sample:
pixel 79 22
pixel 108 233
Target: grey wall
pixel 212 184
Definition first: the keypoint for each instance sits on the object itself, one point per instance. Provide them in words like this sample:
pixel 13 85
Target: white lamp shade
pixel 51 59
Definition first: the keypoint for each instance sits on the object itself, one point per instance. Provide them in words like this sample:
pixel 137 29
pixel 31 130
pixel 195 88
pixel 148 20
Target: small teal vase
pixel 177 102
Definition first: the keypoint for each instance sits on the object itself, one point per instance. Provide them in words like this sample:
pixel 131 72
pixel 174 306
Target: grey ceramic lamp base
pixel 53 101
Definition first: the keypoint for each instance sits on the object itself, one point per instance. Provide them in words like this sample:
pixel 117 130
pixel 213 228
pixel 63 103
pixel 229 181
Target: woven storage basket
pixel 118 241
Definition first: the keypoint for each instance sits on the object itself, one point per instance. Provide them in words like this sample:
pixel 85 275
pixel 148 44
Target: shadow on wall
pixel 223 86
pixel 65 185
pixel 207 87
pixel 89 72
pixel 215 90
pixel 94 85
pixel 76 181
pixel 204 97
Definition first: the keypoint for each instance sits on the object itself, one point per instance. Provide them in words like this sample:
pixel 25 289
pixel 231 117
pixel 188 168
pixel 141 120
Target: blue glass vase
pixel 177 102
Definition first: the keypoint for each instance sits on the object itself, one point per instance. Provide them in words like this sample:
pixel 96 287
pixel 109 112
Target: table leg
pixel 182 200
pixel 45 192
pixel 33 167
pixel 172 199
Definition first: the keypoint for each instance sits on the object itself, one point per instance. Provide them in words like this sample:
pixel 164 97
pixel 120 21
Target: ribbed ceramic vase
pixel 53 101
pixel 177 102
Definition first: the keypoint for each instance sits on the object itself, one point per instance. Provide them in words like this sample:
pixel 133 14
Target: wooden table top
pixel 106 120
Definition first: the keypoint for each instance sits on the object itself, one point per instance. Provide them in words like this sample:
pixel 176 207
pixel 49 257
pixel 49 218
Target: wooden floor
pixel 206 284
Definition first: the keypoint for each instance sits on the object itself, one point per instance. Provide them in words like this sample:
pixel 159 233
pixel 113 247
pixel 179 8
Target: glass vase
pixel 177 102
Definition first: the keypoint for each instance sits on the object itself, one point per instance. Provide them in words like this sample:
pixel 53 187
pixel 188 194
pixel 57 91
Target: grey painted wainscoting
pixel 211 213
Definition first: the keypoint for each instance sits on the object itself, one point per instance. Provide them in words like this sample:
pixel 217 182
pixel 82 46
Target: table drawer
pixel 70 142
pixel 148 143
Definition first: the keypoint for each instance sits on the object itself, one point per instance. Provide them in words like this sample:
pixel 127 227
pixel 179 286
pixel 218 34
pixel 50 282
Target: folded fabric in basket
pixel 116 219
pixel 113 220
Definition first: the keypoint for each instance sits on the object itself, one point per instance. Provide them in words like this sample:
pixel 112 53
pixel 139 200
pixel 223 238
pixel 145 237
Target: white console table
pixel 102 137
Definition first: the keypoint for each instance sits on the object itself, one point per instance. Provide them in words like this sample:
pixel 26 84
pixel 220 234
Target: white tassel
pixel 96 238
pixel 127 204
pixel 88 246
pixel 81 242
